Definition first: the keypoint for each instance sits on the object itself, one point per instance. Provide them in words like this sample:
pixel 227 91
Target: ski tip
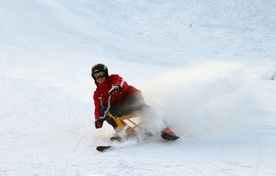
pixel 102 148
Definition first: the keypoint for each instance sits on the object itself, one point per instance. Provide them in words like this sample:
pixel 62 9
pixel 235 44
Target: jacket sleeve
pixel 119 81
pixel 97 105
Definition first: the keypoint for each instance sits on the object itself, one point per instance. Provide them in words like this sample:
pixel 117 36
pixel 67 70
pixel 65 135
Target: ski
pixel 102 148
pixel 169 136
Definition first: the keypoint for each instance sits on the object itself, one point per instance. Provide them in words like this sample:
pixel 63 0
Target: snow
pixel 207 67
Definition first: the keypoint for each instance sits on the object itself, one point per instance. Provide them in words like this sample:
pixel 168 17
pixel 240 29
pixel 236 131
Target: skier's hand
pixel 99 122
pixel 114 91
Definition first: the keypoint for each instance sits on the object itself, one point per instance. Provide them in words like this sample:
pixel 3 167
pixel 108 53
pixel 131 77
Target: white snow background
pixel 208 67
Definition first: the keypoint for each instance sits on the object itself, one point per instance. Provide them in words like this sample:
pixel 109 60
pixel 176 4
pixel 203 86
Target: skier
pixel 125 99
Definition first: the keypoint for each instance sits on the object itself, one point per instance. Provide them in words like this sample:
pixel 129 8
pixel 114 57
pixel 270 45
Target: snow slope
pixel 208 67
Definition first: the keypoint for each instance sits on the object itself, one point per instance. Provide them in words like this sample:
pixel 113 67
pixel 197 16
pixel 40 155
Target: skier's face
pixel 100 77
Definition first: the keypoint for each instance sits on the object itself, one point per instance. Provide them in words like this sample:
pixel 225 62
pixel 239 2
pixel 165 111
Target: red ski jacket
pixel 101 93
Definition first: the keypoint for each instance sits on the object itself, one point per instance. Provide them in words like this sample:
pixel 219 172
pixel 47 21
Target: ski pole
pixel 108 107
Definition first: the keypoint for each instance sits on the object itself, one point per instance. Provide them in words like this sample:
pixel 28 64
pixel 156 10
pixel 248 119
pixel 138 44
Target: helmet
pixel 99 68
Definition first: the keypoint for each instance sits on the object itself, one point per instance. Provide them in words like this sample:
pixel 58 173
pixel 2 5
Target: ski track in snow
pixel 207 68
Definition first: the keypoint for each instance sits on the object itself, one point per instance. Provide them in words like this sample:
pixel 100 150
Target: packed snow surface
pixel 207 67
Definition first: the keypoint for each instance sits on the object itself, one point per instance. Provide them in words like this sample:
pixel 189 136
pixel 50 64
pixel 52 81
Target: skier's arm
pixel 119 83
pixel 97 105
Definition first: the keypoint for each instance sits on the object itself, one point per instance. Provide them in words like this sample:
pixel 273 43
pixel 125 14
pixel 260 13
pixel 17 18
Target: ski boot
pixel 116 137
pixel 169 135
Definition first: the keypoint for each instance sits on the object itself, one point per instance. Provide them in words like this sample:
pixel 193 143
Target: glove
pixel 114 91
pixel 99 123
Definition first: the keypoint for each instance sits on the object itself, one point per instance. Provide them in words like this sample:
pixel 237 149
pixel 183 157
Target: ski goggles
pixel 99 75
